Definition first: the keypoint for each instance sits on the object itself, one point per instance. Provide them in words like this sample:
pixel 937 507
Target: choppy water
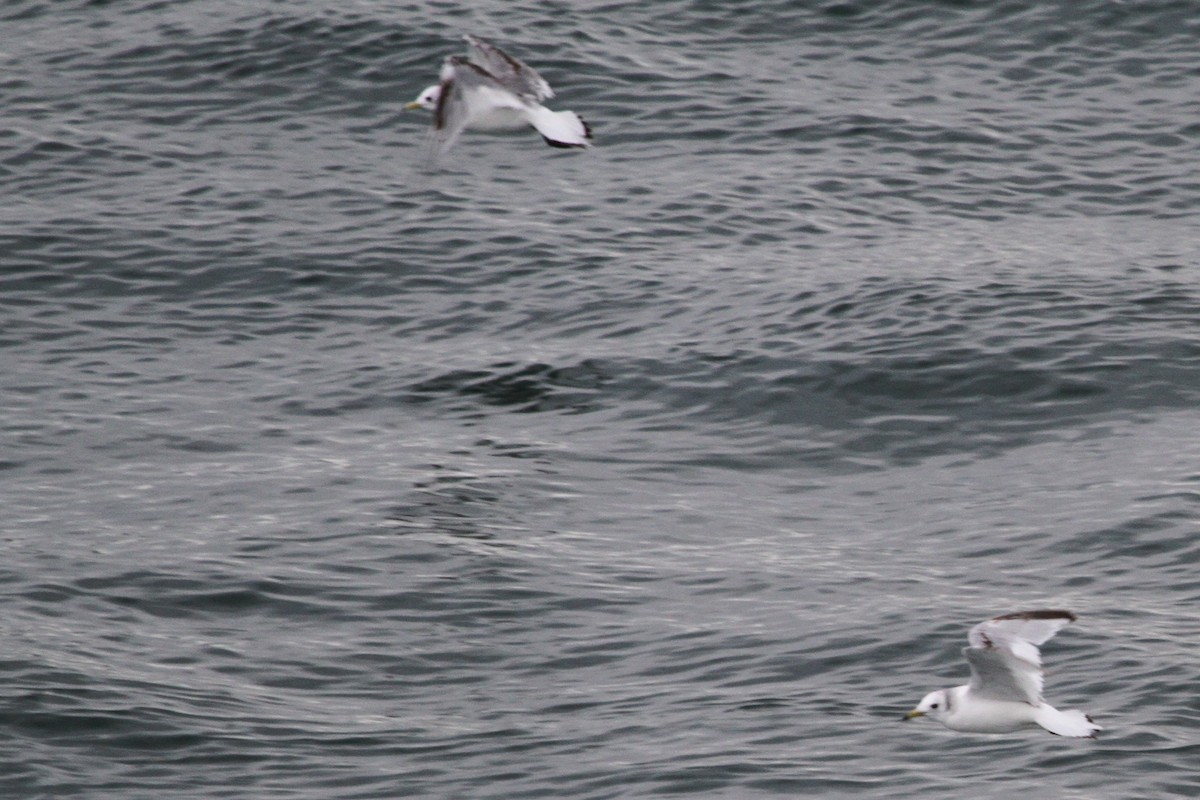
pixel 676 467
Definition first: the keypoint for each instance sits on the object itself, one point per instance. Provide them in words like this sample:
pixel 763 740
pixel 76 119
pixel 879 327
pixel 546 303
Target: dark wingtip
pixel 563 145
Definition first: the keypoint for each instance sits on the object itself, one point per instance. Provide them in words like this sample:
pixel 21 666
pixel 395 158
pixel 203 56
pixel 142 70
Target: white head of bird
pixel 428 99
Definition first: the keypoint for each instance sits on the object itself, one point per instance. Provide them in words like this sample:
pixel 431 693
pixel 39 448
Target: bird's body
pixel 1005 692
pixel 491 90
pixel 983 715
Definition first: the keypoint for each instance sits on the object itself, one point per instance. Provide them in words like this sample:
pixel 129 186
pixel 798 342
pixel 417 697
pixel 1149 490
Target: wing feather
pixel 513 74
pixel 998 675
pixel 1021 633
pixel 1004 657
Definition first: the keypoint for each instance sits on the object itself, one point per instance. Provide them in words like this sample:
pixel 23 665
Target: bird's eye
pixel 934 706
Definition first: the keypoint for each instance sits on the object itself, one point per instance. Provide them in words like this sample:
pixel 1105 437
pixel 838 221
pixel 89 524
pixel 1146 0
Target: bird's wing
pixel 1020 633
pixel 999 675
pixel 512 74
pixel 1005 661
pixel 450 113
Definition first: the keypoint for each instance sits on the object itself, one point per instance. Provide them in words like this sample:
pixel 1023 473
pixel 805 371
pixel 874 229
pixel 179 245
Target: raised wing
pixel 514 75
pixel 999 675
pixel 1005 661
pixel 1020 633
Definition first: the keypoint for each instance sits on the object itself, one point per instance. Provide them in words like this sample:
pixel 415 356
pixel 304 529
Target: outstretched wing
pixel 1021 632
pixel 1005 661
pixel 998 675
pixel 512 74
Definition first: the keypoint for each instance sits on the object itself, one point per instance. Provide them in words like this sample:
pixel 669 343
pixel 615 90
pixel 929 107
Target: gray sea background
pixel 678 467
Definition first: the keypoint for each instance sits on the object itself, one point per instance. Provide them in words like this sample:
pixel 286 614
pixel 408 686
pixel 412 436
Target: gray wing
pixel 512 74
pixel 999 675
pixel 1020 633
pixel 1005 661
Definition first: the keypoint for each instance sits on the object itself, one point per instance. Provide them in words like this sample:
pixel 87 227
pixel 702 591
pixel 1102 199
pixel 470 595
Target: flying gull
pixel 491 90
pixel 1005 692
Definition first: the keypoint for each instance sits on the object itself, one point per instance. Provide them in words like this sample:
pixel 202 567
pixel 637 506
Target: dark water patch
pixel 887 365
pixel 523 388
pixel 177 597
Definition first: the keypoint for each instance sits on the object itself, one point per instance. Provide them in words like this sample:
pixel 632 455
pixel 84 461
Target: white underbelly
pixel 496 110
pixel 500 119
pixel 990 716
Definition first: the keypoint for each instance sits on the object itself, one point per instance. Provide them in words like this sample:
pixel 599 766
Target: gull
pixel 1005 692
pixel 491 90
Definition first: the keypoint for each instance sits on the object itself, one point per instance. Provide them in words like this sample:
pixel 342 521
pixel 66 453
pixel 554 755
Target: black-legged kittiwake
pixel 1005 692
pixel 491 90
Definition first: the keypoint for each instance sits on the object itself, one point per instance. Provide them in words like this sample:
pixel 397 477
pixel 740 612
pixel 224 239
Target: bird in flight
pixel 1005 692
pixel 491 90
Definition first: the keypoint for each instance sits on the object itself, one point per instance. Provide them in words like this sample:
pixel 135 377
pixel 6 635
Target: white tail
pixel 560 128
pixel 1066 723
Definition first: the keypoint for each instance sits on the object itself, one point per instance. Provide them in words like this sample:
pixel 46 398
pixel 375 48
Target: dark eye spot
pixel 934 705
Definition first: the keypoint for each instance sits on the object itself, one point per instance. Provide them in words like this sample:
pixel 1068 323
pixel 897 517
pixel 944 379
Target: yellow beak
pixel 411 106
pixel 912 715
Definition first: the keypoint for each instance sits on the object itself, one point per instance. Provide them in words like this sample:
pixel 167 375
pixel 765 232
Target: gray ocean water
pixel 675 467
